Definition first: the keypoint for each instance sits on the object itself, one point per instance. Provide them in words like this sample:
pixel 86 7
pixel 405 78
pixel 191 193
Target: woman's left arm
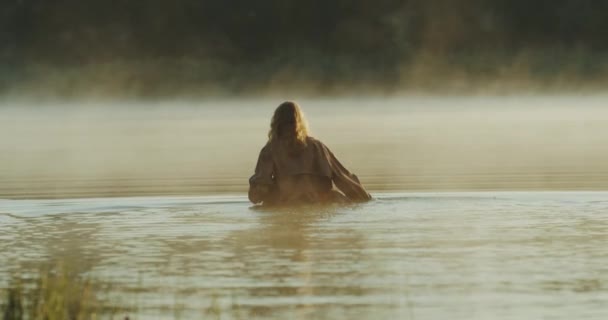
pixel 261 184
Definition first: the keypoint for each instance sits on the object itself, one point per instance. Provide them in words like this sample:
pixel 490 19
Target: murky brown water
pixel 403 256
pixel 484 255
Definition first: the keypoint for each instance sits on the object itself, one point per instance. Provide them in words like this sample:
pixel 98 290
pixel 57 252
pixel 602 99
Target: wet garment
pixel 306 174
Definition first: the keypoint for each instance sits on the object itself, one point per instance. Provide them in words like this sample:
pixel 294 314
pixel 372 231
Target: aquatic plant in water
pixel 56 294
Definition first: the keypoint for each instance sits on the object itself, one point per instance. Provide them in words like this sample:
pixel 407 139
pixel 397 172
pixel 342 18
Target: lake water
pixel 92 149
pixel 149 199
pixel 500 255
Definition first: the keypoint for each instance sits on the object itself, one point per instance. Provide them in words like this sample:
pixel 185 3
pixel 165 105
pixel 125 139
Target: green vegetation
pixel 179 47
pixel 60 293
pixel 55 294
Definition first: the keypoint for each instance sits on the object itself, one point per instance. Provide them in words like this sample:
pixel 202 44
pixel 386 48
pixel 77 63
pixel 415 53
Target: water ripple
pixel 402 256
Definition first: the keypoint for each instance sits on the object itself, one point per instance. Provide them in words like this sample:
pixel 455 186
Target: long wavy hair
pixel 288 126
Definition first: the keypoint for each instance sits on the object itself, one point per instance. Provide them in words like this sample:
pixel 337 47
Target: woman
pixel 294 168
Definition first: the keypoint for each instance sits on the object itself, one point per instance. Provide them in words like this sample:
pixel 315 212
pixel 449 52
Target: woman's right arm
pixel 346 181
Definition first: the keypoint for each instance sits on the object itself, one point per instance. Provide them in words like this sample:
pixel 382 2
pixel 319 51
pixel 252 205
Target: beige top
pixel 285 177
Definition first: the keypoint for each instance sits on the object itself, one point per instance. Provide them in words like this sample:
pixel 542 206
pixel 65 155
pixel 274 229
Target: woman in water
pixel 294 168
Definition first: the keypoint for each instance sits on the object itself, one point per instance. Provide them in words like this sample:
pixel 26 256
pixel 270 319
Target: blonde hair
pixel 288 125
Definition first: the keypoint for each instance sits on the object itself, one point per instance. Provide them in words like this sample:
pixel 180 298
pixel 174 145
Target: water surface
pixel 118 148
pixel 492 255
pixel 148 198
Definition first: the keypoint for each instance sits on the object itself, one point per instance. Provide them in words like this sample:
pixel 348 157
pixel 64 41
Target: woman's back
pixel 294 169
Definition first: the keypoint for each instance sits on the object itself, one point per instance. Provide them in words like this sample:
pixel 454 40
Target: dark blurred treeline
pixel 175 47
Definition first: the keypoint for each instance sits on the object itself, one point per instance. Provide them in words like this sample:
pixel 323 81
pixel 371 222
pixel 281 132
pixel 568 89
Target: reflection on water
pixel 402 256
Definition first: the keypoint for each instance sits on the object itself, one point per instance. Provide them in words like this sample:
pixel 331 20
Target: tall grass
pixel 54 294
pixel 60 293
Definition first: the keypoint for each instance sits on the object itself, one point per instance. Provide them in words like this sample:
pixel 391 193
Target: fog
pixel 409 143
pixel 182 48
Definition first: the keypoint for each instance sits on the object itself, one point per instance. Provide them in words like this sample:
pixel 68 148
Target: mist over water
pixel 149 201
pixel 413 143
pixel 129 129
pixel 177 48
